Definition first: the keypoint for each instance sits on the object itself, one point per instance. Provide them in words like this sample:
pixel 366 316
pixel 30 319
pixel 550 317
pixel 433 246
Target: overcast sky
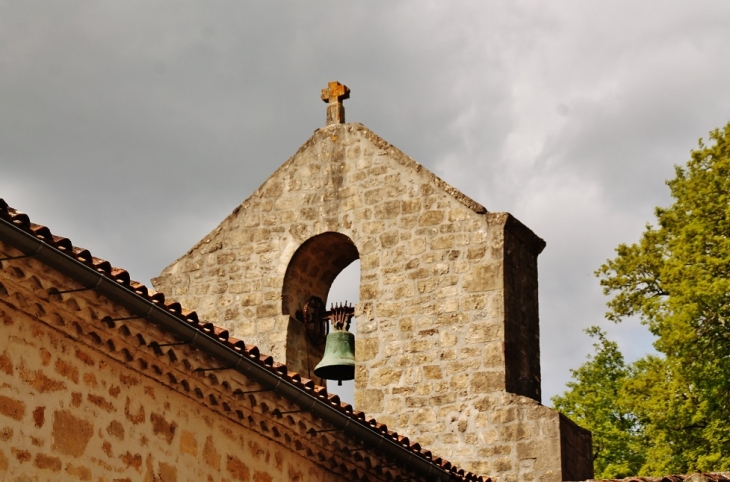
pixel 134 128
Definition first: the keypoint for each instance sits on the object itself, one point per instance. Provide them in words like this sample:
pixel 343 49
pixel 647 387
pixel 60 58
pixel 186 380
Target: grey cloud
pixel 135 127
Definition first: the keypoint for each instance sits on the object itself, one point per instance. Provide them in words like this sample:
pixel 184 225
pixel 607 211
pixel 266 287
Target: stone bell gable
pixel 447 342
pixel 439 272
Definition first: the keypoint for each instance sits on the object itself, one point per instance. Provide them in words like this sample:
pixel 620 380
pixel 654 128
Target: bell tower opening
pixel 310 274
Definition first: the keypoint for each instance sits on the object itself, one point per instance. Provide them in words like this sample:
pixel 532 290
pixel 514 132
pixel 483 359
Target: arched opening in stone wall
pixel 311 272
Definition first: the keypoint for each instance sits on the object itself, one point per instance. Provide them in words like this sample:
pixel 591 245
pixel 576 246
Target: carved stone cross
pixel 334 94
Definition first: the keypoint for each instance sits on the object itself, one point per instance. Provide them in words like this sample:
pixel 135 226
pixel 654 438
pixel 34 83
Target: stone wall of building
pixel 85 398
pixel 521 440
pixel 67 413
pixel 448 315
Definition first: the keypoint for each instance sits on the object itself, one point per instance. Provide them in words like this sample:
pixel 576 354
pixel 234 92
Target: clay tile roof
pixel 121 277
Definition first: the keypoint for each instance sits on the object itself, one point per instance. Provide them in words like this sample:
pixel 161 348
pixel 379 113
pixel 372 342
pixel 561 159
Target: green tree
pixel 594 400
pixel 676 279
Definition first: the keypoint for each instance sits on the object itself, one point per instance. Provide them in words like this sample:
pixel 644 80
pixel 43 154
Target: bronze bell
pixel 338 362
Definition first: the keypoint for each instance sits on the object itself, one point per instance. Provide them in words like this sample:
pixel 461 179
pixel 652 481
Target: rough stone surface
pixel 116 410
pixel 89 443
pixel 447 342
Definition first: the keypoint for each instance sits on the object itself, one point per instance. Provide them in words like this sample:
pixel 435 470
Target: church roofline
pixel 38 242
pixel 395 153
pixel 398 155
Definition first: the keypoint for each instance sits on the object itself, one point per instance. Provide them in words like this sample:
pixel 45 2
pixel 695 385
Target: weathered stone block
pixel 430 218
pixel 370 400
pixel 47 462
pixel 483 278
pixel 383 377
pixel 70 434
pixel 12 408
pixel 432 372
pixel 485 382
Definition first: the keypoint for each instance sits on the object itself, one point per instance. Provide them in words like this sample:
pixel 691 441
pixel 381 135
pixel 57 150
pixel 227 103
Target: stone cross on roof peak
pixel 334 94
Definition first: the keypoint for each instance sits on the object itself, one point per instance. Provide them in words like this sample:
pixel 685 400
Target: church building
pixel 103 378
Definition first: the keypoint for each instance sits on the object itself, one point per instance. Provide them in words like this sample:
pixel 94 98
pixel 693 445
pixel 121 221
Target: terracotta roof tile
pixel 121 276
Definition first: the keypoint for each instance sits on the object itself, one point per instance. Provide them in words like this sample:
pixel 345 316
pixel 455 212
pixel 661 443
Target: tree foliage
pixel 594 400
pixel 676 279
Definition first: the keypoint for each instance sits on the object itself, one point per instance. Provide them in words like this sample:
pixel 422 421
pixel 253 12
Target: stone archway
pixel 311 272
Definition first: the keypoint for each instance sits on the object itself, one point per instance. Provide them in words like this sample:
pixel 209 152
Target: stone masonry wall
pixel 83 397
pixel 447 319
pixel 69 413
